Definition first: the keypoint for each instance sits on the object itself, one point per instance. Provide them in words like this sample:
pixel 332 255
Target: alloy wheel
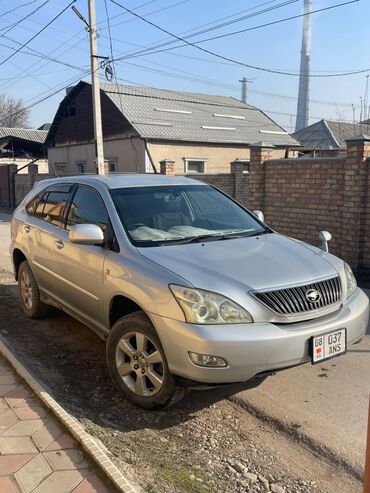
pixel 140 364
pixel 26 289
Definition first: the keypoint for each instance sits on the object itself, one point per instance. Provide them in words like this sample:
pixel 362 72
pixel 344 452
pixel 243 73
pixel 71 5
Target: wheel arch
pixel 18 258
pixel 120 306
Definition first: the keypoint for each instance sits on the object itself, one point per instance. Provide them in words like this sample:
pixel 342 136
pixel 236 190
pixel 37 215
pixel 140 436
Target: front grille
pixel 294 300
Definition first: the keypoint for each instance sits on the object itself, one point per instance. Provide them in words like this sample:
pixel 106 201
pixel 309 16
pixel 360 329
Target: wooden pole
pixel 367 458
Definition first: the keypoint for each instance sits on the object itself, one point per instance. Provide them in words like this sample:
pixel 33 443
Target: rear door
pixel 45 219
pixel 79 268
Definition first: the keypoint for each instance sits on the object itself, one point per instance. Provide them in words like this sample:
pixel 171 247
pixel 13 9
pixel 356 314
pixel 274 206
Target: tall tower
pixel 304 77
pixel 244 81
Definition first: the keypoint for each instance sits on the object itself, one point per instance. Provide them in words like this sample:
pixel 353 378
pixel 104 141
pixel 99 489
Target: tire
pixel 29 293
pixel 143 378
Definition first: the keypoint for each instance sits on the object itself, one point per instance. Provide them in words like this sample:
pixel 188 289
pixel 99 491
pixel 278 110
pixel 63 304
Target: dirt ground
pixel 207 443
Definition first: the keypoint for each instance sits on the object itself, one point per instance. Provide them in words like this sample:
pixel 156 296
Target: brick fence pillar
pixel 354 198
pixel 6 185
pixel 259 153
pixel 167 167
pixel 236 170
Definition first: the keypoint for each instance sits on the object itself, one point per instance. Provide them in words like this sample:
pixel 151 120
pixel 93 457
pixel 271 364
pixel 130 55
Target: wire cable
pixel 218 26
pixel 238 62
pixel 15 24
pixel 17 7
pixel 37 34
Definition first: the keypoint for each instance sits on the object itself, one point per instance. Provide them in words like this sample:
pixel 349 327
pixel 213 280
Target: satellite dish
pixel 108 72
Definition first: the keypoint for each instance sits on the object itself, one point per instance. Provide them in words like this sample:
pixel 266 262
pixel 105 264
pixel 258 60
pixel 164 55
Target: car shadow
pixel 69 359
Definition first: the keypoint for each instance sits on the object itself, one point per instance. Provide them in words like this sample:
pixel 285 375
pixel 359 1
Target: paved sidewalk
pixel 36 454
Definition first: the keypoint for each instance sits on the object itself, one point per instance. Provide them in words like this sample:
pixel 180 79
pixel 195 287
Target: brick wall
pixel 23 183
pixel 302 197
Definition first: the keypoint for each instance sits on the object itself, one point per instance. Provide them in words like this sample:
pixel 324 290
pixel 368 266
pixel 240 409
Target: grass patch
pixel 187 480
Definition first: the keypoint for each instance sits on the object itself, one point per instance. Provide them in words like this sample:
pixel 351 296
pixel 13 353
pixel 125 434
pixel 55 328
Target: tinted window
pixel 39 211
pixel 87 208
pixel 51 207
pixel 31 206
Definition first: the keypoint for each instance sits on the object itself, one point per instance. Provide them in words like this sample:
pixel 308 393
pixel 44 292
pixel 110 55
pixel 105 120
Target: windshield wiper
pixel 216 237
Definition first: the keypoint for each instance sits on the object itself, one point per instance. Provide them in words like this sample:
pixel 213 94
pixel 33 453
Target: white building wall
pixel 129 155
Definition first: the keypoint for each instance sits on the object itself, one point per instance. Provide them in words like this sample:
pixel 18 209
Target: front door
pixel 79 268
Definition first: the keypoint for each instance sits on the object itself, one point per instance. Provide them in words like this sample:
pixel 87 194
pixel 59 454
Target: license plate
pixel 329 345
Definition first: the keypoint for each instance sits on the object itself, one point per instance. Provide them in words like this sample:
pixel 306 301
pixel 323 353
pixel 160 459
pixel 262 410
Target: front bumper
pixel 254 348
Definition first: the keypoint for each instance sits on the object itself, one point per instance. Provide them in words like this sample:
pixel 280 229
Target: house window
pixel 80 166
pixel 112 165
pixel 195 165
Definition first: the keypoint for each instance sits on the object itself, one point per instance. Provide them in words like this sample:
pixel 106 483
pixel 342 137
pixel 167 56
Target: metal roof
pixel 23 134
pixel 194 117
pixel 329 135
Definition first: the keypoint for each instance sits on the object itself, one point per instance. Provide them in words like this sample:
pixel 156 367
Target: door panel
pixel 78 277
pixel 79 268
pixel 45 218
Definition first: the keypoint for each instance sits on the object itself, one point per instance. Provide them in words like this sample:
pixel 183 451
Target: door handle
pixel 27 228
pixel 59 244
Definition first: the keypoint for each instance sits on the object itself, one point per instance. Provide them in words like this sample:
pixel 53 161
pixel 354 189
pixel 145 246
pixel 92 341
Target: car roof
pixel 125 180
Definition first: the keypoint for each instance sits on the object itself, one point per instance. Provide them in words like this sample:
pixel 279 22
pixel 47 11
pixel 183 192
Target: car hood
pixel 257 262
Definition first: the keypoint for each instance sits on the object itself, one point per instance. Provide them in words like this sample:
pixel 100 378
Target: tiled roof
pixel 329 135
pixel 194 117
pixel 23 134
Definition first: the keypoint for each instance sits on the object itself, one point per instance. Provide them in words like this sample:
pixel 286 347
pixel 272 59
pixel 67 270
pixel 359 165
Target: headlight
pixel 350 278
pixel 205 307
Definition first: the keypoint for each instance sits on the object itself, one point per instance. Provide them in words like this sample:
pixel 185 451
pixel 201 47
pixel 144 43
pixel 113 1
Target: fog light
pixel 207 360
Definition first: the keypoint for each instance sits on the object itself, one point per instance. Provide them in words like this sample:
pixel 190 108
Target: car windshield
pixel 178 214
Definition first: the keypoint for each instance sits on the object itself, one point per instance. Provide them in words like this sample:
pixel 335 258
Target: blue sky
pixel 340 43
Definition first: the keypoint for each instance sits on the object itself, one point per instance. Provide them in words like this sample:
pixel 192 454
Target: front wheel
pixel 137 363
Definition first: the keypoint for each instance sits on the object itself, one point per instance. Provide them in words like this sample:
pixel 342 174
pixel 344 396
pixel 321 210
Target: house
pixel 143 126
pixel 23 145
pixel 328 138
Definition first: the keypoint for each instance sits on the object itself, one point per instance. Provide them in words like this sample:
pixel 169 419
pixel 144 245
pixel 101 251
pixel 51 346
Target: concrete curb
pixel 90 446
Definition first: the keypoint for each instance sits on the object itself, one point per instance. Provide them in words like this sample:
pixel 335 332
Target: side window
pixel 31 206
pixel 55 205
pixel 51 206
pixel 87 208
pixel 39 211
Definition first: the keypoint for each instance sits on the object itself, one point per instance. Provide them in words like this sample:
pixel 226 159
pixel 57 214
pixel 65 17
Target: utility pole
pixel 304 78
pixel 98 130
pixel 244 96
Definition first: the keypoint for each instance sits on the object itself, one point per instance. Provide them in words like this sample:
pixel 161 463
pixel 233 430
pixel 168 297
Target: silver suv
pixel 184 284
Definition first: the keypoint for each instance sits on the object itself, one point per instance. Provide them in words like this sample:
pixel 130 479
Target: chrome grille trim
pixel 292 300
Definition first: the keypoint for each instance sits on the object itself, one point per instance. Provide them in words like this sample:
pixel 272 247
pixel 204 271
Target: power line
pixel 15 24
pixel 238 62
pixel 220 25
pixel 38 33
pixel 18 7
pixel 37 54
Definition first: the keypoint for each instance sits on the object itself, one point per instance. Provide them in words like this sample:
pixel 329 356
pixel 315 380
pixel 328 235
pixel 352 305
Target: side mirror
pixel 325 237
pixel 259 215
pixel 86 234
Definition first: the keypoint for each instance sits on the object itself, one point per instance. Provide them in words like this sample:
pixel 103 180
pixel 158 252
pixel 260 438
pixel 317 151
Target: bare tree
pixel 13 113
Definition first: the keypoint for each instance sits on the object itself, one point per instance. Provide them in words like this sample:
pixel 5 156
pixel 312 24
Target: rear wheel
pixel 29 293
pixel 137 363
